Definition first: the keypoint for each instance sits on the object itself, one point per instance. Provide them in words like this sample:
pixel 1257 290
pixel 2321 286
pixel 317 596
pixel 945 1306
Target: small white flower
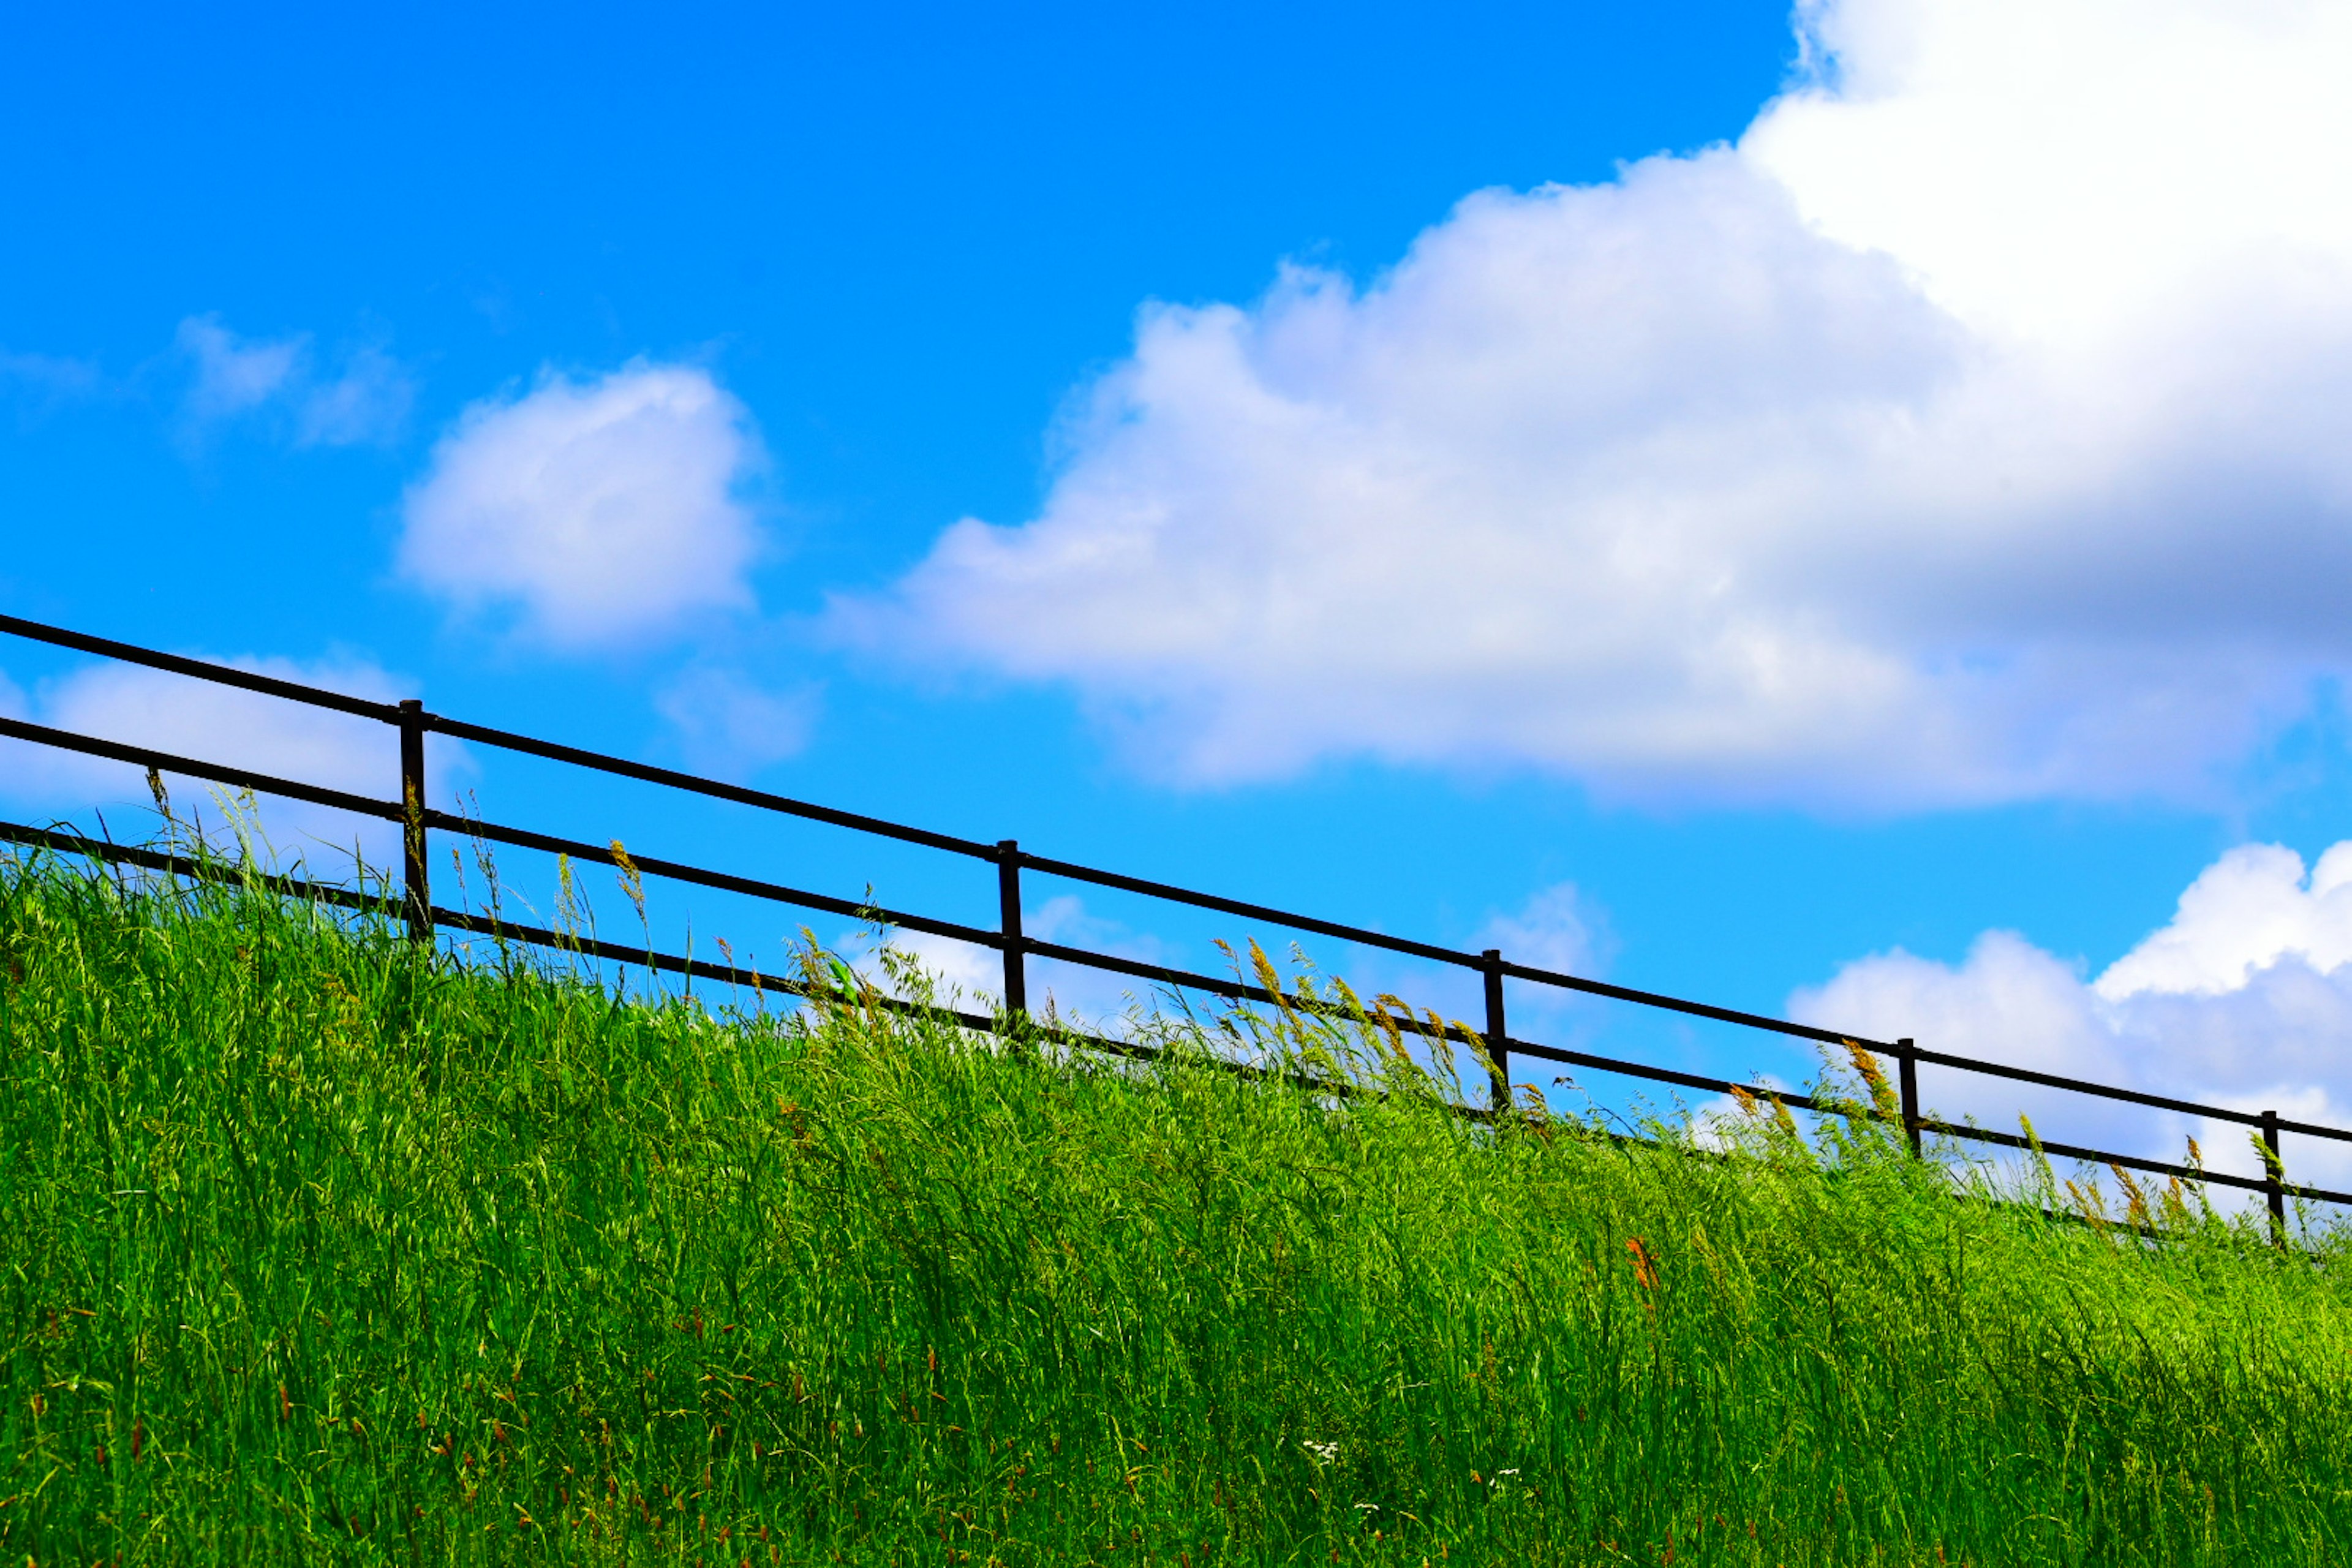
pixel 1500 1474
pixel 1325 1453
pixel 1369 1507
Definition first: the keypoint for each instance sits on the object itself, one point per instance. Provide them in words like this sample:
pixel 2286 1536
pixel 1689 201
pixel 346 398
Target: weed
pixel 321 1247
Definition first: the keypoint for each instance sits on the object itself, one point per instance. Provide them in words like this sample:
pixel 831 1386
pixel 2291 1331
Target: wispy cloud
pixel 730 726
pixel 363 397
pixel 1561 928
pixel 45 381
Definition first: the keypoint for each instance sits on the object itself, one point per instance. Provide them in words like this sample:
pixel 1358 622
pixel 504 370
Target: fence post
pixel 1008 903
pixel 1499 1035
pixel 2274 1171
pixel 417 888
pixel 1907 1074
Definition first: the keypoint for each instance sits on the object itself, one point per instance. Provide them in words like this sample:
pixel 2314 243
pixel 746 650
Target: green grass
pixel 316 1250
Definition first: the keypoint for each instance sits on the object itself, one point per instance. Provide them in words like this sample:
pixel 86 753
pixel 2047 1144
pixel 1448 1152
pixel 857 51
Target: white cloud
pixel 2247 911
pixel 1970 431
pixel 973 977
pixel 235 375
pixel 2074 171
pixel 600 513
pixel 731 727
pixel 47 380
pixel 962 975
pixel 367 401
pixel 1559 927
pixel 2243 1000
pixel 221 724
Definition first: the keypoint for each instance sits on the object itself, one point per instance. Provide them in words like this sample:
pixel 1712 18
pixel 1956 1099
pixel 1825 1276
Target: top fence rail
pixel 410 808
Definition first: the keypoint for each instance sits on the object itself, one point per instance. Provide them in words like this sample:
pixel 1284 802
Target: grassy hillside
pixel 318 1251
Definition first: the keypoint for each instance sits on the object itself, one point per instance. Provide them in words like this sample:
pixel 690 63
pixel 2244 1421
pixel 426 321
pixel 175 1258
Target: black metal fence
pixel 418 821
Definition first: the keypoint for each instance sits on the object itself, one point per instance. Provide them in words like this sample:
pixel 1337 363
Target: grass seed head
pixel 633 881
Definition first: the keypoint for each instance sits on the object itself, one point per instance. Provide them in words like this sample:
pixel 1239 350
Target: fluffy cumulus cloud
pixel 2243 1000
pixel 1970 430
pixel 598 513
pixel 362 398
pixel 197 719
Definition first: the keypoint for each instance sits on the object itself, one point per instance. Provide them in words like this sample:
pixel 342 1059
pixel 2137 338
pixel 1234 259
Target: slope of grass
pixel 319 1250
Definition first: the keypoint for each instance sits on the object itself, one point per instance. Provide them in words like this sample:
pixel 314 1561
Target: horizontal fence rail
pixel 409 808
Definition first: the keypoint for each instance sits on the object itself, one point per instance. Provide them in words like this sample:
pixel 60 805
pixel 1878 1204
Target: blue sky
pixel 1719 499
